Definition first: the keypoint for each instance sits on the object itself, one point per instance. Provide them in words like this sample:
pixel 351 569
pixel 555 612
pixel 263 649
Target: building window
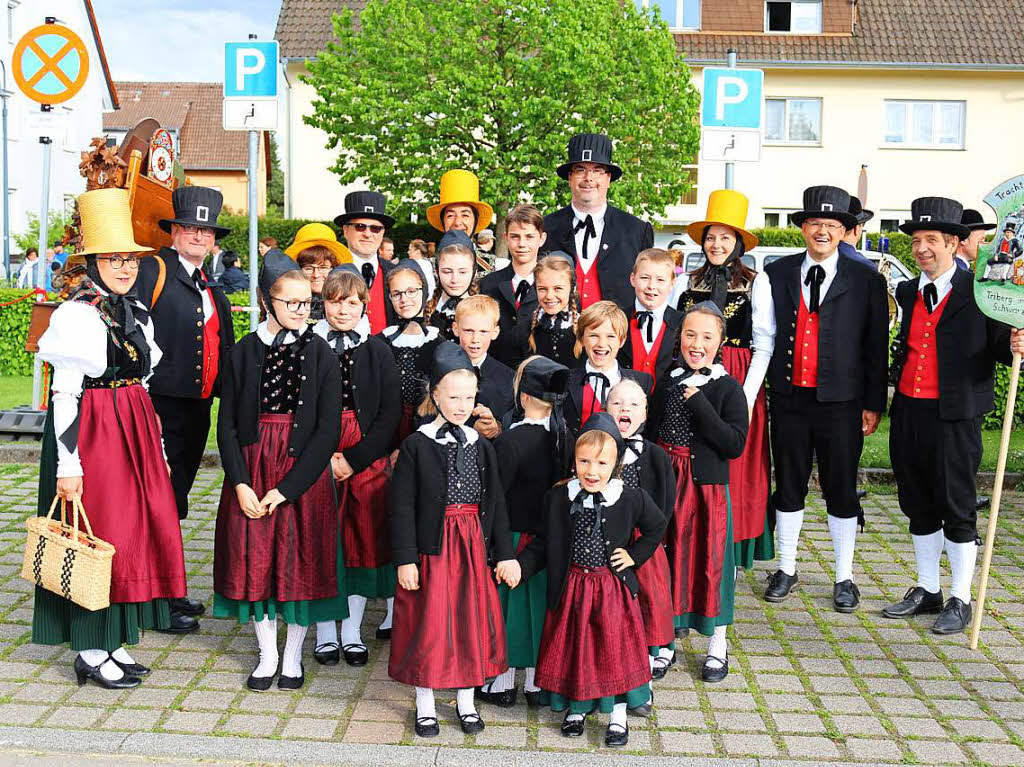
pixel 792 121
pixel 771 220
pixel 925 124
pixel 889 225
pixel 678 14
pixel 794 16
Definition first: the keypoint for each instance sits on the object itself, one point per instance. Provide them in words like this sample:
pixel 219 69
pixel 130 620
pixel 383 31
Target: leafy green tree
pixel 275 188
pixel 57 222
pixel 413 88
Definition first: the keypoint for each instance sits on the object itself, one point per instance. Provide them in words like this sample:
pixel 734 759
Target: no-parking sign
pixel 50 64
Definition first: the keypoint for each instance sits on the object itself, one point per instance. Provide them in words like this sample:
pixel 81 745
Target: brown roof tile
pixel 304 26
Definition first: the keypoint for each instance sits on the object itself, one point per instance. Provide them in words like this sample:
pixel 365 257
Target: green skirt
pixel 761 548
pixel 727 588
pixel 653 651
pixel 638 696
pixel 371 582
pixel 524 608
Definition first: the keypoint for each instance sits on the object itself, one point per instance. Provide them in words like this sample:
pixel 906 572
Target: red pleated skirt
pixel 696 538
pixel 405 424
pixel 655 597
pixel 363 505
pixel 290 555
pixel 449 633
pixel 750 474
pixel 593 644
pixel 127 493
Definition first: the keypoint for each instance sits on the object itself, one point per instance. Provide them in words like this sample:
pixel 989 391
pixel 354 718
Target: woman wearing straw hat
pixel 744 297
pixel 317 250
pixel 460 208
pixel 102 445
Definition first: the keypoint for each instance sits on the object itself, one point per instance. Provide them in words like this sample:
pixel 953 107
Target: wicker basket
pixel 72 564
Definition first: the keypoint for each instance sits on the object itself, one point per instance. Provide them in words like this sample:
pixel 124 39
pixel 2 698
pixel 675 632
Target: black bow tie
pixel 459 436
pixel 199 278
pixel 368 274
pixel 403 324
pixel 646 318
pixel 634 444
pixel 600 384
pixel 815 276
pixel 279 339
pixel 450 305
pixel 586 224
pixel 521 291
pixel 336 338
pixel 554 321
pixel 931 296
pixel 576 507
pixel 689 372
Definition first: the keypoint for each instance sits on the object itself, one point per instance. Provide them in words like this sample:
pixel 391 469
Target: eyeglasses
pixel 317 269
pixel 203 231
pixel 375 228
pixel 116 262
pixel 294 306
pixel 828 226
pixel 398 295
pixel 581 171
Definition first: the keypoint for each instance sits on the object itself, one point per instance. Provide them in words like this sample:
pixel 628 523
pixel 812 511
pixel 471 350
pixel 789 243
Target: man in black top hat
pixel 967 253
pixel 943 371
pixel 363 225
pixel 827 384
pixel 603 240
pixel 851 240
pixel 192 322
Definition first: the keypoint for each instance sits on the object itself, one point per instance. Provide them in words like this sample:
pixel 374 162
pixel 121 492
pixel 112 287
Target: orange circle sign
pixel 50 64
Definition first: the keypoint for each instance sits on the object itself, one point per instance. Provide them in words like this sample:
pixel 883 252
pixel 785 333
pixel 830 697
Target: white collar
pixel 829 264
pixel 479 364
pixel 516 278
pixel 362 328
pixel 614 374
pixel 598 216
pixel 566 323
pixel 941 282
pixel 612 491
pixel 359 261
pixel 629 456
pixel 189 266
pixel 542 422
pixel 264 334
pixel 699 379
pixel 431 429
pixel 410 340
pixel 659 312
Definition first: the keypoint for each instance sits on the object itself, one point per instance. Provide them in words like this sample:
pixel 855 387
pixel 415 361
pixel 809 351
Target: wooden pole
pixel 997 495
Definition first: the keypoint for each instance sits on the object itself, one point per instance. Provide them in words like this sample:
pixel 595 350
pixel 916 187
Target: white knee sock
pixel 961 561
pixel 928 552
pixel 108 669
pixel 326 633
pixel 266 638
pixel 618 715
pixel 291 662
pixel 350 633
pixel 718 647
pixel 391 614
pixel 787 535
pixel 844 541
pixel 464 701
pixel 425 703
pixel 529 682
pixel 121 655
pixel 667 653
pixel 502 682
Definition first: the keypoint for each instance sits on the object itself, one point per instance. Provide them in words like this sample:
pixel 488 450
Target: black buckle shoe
pixel 712 674
pixel 327 654
pixel 131 669
pixel 616 735
pixel 505 699
pixel 427 727
pixel 954 618
pixel 532 699
pixel 355 654
pixel 85 672
pixel 383 634
pixel 661 666
pixel 292 682
pixel 187 606
pixel 181 624
pixel 259 683
pixel 915 602
pixel 471 724
pixel 845 596
pixel 780 586
pixel 575 727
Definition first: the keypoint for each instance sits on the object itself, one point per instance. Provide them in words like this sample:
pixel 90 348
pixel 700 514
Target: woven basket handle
pixel 63 509
pixel 79 510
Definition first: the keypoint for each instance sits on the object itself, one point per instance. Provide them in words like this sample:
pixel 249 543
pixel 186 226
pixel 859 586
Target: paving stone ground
pixel 806 684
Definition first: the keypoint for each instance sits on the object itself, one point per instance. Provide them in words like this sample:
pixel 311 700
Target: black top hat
pixel 590 147
pixel 826 202
pixel 365 205
pixel 1009 227
pixel 544 379
pixel 604 422
pixel 275 263
pixel 448 357
pixel 939 214
pixel 863 214
pixel 196 206
pixel 973 220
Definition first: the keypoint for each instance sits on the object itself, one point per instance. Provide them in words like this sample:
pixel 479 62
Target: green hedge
pixel 14 322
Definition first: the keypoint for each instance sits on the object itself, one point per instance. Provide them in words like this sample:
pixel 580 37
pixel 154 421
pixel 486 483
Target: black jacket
pixel 417 493
pixel 624 236
pixel 968 345
pixel 377 392
pixel 526 461
pixel 572 405
pixel 495 387
pixel 559 347
pixel 657 477
pixel 853 332
pixel 178 326
pixel 233 280
pixel 720 424
pixel 498 285
pixel 551 548
pixel 673 320
pixel 317 422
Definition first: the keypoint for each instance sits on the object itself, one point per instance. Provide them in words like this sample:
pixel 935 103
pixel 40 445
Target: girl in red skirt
pixel 593 652
pixel 645 466
pixel 447 517
pixel 699 416
pixel 276 543
pixel 371 409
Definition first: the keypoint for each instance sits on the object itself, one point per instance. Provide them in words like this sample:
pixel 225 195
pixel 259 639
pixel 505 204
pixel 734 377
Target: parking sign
pixel 250 69
pixel 733 98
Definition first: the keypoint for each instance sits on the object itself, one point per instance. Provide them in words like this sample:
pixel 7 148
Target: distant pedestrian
pixel 233 279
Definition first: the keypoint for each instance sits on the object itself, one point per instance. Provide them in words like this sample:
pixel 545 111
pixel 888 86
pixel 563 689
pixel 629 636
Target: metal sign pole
pixel 729 167
pixel 254 253
pixel 40 281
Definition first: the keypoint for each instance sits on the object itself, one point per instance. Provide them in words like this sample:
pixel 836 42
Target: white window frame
pixel 678 25
pixel 785 121
pixel 907 127
pixel 791 31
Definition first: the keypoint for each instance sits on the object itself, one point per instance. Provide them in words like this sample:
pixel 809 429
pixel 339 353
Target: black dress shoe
pixel 327 654
pixel 427 727
pixel 982 504
pixel 616 735
pixel 682 632
pixel 505 699
pixel 181 624
pixel 716 673
pixel 915 602
pixel 661 667
pixel 292 682
pixel 471 724
pixel 355 654
pixel 131 669
pixel 780 586
pixel 532 699
pixel 383 634
pixel 84 672
pixel 187 606
pixel 845 596
pixel 575 727
pixel 259 683
pixel 954 618
pixel 644 709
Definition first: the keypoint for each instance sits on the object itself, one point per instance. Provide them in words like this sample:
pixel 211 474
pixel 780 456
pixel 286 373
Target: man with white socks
pixel 827 384
pixel 943 370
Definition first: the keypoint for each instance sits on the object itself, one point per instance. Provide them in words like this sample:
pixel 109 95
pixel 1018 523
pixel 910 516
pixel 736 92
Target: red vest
pixel 920 375
pixel 588 285
pixel 211 349
pixel 644 360
pixel 376 311
pixel 591 404
pixel 805 348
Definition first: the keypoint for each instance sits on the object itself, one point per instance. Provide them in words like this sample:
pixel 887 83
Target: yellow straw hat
pixel 315 234
pixel 726 207
pixel 107 223
pixel 460 187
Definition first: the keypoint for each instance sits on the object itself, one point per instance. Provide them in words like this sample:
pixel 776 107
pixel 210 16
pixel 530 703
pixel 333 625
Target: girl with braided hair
pixel 551 330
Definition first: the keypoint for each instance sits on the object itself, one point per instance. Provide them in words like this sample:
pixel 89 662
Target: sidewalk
pixel 807 685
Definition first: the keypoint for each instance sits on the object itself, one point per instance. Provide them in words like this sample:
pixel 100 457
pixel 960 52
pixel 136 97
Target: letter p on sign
pixel 250 69
pixel 731 90
pixel 733 98
pixel 248 61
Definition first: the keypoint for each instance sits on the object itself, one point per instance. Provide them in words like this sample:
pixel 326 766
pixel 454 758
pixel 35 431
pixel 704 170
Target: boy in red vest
pixel 943 370
pixel 363 225
pixel 653 324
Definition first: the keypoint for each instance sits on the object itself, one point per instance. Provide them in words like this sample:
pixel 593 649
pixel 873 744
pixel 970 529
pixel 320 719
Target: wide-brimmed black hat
pixel 939 214
pixel 590 147
pixel 448 357
pixel 863 214
pixel 973 220
pixel 196 206
pixel 365 205
pixel 826 202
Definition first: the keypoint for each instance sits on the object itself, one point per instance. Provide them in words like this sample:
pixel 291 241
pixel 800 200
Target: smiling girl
pixel 456 279
pixel 550 330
